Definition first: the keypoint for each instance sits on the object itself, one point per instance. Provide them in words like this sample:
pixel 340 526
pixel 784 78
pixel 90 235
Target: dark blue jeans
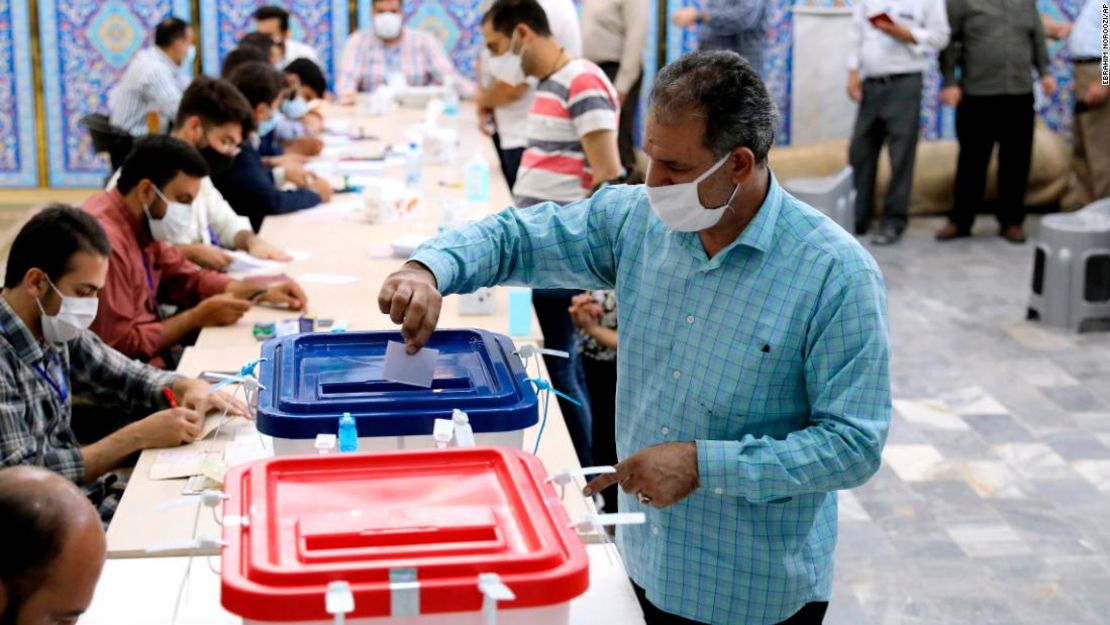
pixel 566 374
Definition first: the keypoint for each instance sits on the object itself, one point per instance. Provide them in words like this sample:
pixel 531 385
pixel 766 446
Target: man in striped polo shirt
pixel 572 148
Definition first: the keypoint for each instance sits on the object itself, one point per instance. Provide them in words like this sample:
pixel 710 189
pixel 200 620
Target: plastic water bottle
pixel 520 311
pixel 450 100
pixel 412 166
pixel 348 433
pixel 477 179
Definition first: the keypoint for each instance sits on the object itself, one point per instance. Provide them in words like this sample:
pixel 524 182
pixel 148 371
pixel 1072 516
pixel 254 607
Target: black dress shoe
pixel 951 231
pixel 1013 234
pixel 888 234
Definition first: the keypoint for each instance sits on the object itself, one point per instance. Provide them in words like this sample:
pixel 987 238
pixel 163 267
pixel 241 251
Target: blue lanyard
pixel 61 386
pixel 215 238
pixel 152 294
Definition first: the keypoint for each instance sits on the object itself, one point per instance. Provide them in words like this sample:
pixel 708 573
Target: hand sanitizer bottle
pixel 477 179
pixel 348 433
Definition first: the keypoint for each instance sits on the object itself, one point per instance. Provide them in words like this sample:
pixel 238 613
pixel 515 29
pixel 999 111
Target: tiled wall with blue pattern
pixel 86 45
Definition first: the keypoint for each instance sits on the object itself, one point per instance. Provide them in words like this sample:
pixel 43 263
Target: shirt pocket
pixel 758 373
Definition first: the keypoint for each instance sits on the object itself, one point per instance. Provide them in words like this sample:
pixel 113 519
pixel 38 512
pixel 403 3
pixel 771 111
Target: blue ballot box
pixel 311 380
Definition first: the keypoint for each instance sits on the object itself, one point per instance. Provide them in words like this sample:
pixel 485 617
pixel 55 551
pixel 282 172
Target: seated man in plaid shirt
pixel 58 264
pixel 390 48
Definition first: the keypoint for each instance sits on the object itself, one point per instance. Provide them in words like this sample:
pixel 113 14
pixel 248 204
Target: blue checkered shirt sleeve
pixel 846 373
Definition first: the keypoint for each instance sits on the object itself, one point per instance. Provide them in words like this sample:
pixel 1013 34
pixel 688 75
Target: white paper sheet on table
pixel 244 263
pixel 184 461
pixel 417 369
pixel 326 278
pixel 336 209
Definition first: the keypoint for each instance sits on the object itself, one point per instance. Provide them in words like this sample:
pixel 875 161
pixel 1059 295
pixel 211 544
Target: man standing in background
pixel 736 25
pixel 572 148
pixel 994 44
pixel 893 42
pixel 614 33
pixel 507 105
pixel 1090 155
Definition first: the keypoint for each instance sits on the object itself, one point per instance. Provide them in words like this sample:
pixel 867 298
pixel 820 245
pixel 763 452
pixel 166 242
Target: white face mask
pixel 509 67
pixel 387 25
pixel 175 225
pixel 75 316
pixel 679 208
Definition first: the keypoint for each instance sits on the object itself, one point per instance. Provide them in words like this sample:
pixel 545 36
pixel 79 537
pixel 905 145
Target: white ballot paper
pixel 418 369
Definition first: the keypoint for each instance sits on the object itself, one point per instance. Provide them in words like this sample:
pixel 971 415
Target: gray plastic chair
pixel 1071 269
pixel 832 195
pixel 1101 207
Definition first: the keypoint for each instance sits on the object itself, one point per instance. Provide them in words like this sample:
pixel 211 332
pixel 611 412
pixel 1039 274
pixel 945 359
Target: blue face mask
pixel 266 127
pixel 295 108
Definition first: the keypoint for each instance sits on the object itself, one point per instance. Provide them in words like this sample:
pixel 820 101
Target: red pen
pixel 168 394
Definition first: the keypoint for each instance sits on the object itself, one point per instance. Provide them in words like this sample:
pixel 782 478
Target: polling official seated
pixel 265 44
pixel 253 188
pixel 274 21
pixel 154 80
pixel 150 205
pixel 214 117
pixel 240 56
pixel 307 89
pixel 59 263
pixel 389 47
pixel 54 549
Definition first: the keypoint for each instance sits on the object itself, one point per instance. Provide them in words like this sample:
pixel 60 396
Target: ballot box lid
pixel 409 531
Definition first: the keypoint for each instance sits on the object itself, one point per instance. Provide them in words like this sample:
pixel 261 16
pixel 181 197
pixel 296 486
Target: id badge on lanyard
pixel 61 393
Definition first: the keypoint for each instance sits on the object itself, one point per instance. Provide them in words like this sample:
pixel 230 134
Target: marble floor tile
pixel 994 479
pixel 849 508
pixel 913 462
pixel 1096 472
pixel 929 413
pixel 1034 460
pixel 973 400
pixel 1000 428
pixel 988 540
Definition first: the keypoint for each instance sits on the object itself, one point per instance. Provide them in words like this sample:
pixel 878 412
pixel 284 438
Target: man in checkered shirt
pixel 753 365
pixel 389 47
pixel 57 265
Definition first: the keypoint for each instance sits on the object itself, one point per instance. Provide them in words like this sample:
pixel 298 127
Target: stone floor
pixel 993 501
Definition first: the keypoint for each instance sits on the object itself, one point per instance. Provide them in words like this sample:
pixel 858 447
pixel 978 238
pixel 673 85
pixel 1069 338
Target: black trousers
pixel 889 112
pixel 981 122
pixel 810 614
pixel 601 384
pixel 509 160
pixel 628 115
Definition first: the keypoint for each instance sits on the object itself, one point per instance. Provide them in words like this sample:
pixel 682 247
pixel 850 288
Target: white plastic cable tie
pixel 464 433
pixel 591 521
pixel 563 477
pixel 528 351
pixel 195 546
pixel 208 498
pixel 325 444
pixel 339 601
pixel 493 590
pixel 443 432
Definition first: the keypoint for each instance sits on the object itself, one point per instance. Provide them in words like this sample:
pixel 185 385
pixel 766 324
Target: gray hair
pixel 727 91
